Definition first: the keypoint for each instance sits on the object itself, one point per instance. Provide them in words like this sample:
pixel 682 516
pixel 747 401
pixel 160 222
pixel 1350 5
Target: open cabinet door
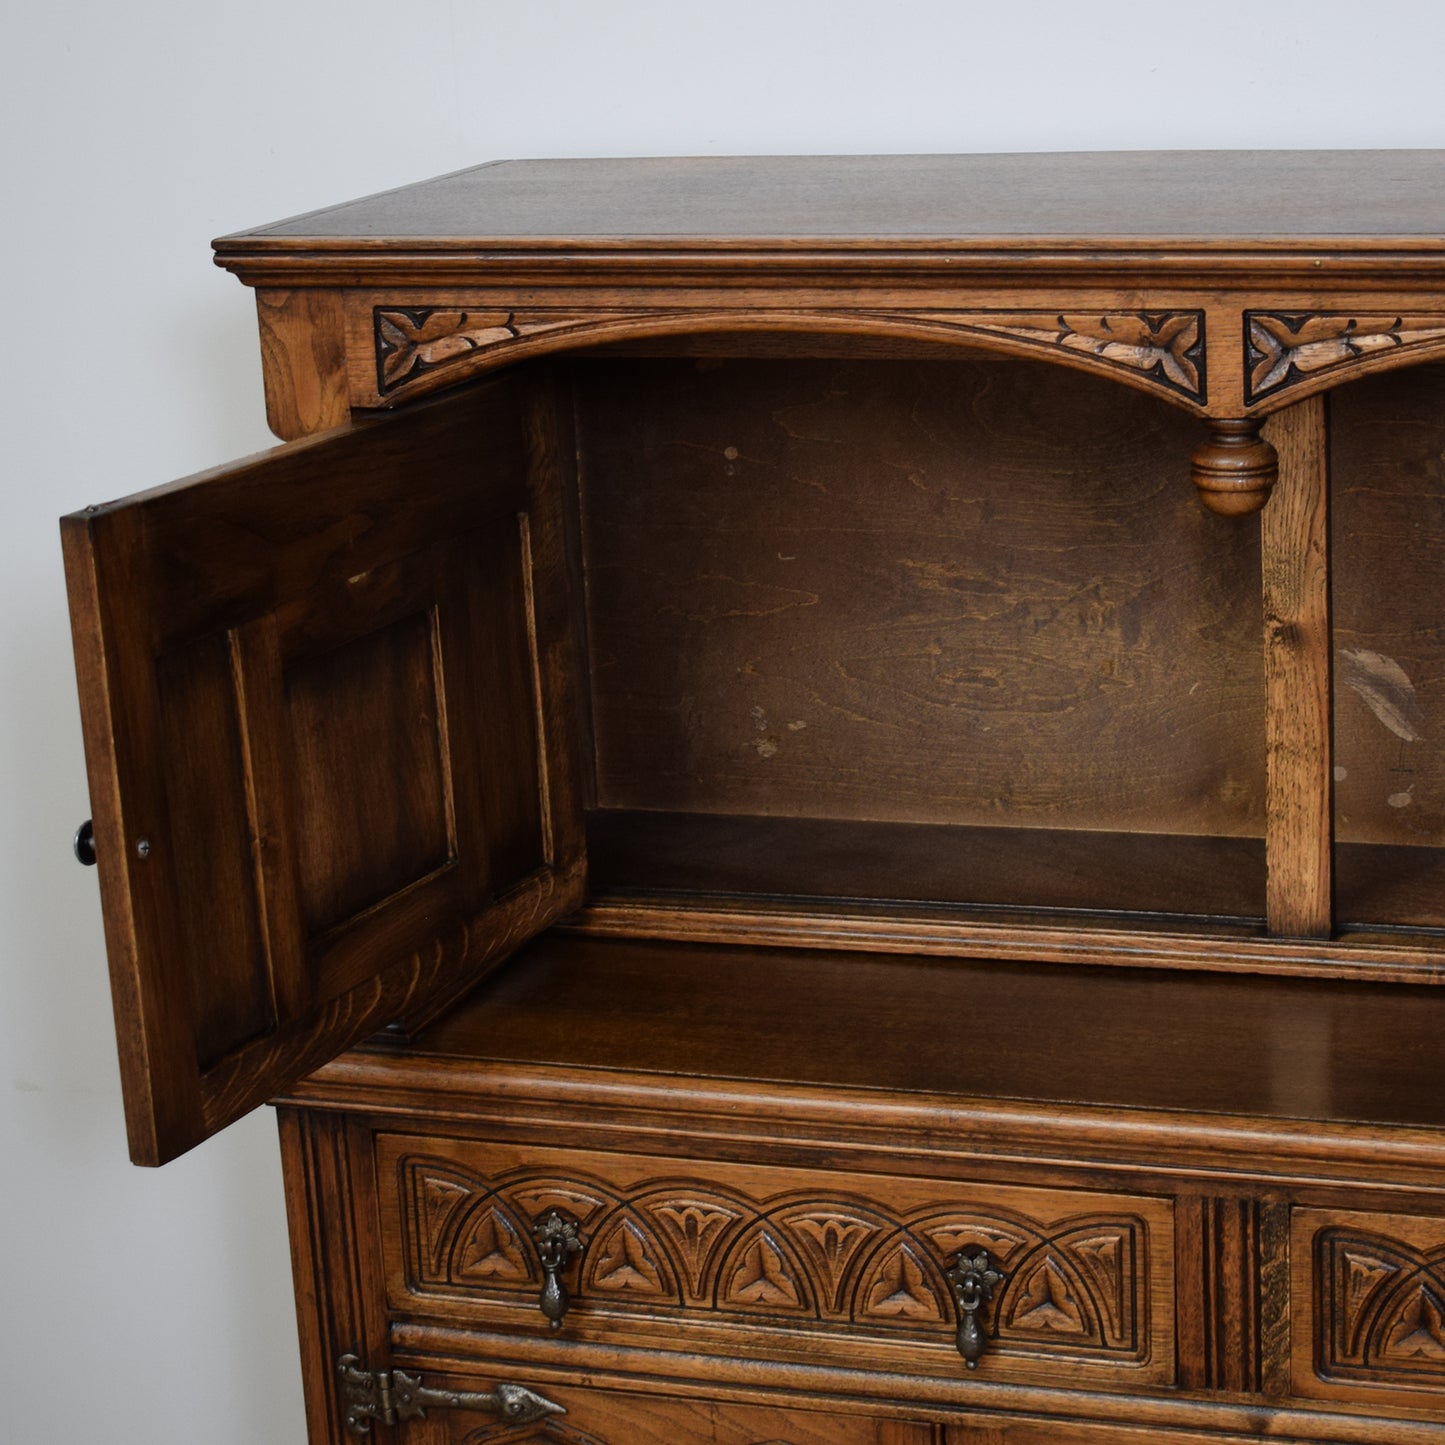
pixel 331 724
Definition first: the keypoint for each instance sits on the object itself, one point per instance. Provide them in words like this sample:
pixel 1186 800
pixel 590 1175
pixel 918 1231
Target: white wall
pixel 160 1302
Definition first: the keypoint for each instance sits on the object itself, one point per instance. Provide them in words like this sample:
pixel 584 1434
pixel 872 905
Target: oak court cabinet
pixel 789 880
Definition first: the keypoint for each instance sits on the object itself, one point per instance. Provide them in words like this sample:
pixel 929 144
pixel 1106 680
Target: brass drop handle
pixel 558 1237
pixel 974 1278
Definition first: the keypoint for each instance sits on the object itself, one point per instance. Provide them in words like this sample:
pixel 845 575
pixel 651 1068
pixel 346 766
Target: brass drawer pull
pixel 974 1278
pixel 558 1237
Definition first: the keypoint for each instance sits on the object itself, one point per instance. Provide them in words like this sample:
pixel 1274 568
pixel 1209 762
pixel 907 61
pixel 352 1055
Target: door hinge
pixel 388 1397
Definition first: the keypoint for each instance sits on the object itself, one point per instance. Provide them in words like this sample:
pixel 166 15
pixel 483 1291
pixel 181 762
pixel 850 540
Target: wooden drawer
pixel 761 1263
pixel 1367 1301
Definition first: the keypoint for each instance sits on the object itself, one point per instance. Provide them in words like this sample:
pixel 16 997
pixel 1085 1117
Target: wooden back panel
pixel 950 592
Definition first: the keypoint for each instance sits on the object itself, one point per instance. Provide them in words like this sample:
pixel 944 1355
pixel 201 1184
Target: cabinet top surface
pixel 1098 199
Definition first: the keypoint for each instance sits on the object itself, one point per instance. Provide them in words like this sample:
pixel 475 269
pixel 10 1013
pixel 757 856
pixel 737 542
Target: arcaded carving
pixel 1283 349
pixel 1383 1308
pixel 681 1244
pixel 1165 348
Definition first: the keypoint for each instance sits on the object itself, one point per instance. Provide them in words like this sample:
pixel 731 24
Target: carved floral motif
pixel 679 1244
pixel 1166 348
pixel 1383 1305
pixel 1283 349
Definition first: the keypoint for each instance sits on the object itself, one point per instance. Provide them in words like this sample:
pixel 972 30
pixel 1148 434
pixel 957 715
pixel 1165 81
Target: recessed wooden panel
pixel 372 799
pixel 330 667
pixel 928 593
pixel 1387 457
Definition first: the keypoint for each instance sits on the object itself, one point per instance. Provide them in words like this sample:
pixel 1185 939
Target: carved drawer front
pixel 1367 1301
pixel 823 1268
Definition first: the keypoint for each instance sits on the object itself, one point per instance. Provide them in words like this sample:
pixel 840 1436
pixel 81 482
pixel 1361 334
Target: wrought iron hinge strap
pixel 388 1397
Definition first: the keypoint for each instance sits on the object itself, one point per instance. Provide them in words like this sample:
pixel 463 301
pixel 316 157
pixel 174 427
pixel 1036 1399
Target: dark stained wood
pixel 955 612
pixel 1388 502
pixel 1198 1043
pixel 374 680
pixel 1392 884
pixel 1025 869
pixel 1294 542
pixel 1162 196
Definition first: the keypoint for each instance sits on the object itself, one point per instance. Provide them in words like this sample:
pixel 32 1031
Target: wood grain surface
pixel 1159 195
pixel 898 593
pixel 1200 1043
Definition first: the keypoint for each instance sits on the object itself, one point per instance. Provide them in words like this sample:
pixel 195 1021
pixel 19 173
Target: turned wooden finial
pixel 1234 468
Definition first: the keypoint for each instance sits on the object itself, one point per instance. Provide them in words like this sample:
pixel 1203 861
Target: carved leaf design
pixel 897 1287
pixel 490 1250
pixel 1364 1273
pixel 1166 348
pixel 441 1196
pixel 534 1200
pixel 760 1275
pixel 420 340
pixel 695 1228
pixel 1106 1265
pixel 1384 1308
pixel 1044 1301
pixel 968 1236
pixel 831 1241
pixel 1282 349
pixel 1418 1331
pixel 625 1261
pixel 677 1243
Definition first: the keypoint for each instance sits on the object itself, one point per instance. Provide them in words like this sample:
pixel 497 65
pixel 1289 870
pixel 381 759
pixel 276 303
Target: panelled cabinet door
pixel 331 730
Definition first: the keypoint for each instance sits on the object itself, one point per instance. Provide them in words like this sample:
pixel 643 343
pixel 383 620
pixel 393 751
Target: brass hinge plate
pixel 388 1397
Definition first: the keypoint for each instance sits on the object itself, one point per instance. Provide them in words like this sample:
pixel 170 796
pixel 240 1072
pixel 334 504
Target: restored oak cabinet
pixel 790 882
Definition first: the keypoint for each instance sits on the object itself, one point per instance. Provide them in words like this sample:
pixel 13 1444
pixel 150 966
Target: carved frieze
pixel 1078 1284
pixel 1164 349
pixel 1382 1305
pixel 1284 349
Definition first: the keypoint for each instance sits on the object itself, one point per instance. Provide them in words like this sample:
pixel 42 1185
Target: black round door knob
pixel 84 844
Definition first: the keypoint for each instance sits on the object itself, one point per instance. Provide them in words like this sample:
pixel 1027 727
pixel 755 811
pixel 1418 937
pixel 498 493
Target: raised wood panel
pixel 330 708
pixel 1368 1299
pixel 782 1264
pixel 983 595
